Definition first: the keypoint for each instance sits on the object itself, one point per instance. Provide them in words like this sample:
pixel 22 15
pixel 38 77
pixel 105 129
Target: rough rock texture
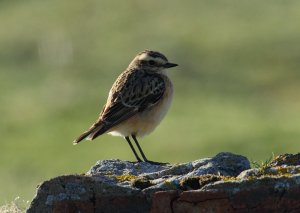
pixel 224 183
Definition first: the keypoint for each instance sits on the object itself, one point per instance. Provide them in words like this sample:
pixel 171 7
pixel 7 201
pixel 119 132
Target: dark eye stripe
pixel 157 55
pixel 151 62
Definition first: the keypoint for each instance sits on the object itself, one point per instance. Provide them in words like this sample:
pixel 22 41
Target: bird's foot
pixel 149 161
pixel 138 161
pixel 156 163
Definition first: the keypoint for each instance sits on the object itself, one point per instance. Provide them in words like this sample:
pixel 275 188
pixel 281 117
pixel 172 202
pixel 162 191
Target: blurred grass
pixel 236 89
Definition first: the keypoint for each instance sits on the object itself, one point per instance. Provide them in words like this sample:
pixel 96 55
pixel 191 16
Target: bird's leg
pixel 139 147
pixel 142 153
pixel 132 148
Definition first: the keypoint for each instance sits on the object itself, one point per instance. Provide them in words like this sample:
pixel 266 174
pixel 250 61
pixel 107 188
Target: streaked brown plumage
pixel 137 101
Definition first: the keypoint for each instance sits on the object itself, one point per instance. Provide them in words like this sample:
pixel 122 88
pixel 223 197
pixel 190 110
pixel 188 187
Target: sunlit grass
pixel 236 88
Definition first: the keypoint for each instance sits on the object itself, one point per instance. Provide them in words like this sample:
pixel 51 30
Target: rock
pixel 286 159
pixel 222 183
pixel 266 194
pixel 282 165
pixel 79 193
pixel 272 188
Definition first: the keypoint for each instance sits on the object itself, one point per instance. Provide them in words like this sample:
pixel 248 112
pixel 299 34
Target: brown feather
pixel 133 92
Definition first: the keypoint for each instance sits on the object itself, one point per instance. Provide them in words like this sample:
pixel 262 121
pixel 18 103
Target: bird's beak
pixel 169 65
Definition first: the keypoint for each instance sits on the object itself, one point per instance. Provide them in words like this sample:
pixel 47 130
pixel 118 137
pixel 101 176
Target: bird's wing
pixel 136 94
pixel 132 92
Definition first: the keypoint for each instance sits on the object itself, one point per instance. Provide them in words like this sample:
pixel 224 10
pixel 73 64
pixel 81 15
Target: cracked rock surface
pixel 224 182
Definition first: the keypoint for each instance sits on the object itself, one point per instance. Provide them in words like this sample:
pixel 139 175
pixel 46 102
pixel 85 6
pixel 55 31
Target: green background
pixel 236 89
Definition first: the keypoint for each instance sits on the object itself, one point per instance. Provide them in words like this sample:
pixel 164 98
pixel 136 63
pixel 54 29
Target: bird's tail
pixel 93 132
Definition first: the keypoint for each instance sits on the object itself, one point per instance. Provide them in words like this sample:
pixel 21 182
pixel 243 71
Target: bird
pixel 137 101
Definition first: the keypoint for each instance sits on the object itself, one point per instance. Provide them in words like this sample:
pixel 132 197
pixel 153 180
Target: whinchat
pixel 137 101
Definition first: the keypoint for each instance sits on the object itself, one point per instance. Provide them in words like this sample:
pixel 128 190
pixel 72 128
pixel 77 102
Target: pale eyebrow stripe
pixel 146 57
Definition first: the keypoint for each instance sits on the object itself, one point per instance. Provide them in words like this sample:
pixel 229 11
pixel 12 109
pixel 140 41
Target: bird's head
pixel 151 61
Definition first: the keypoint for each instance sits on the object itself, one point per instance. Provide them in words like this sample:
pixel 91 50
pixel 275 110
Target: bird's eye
pixel 151 62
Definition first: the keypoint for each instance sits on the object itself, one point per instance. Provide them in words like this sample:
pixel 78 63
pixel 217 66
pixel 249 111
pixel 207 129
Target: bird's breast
pixel 145 122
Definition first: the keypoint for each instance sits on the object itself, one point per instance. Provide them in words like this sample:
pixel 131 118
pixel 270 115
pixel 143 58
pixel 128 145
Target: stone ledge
pixel 261 195
pixel 222 183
